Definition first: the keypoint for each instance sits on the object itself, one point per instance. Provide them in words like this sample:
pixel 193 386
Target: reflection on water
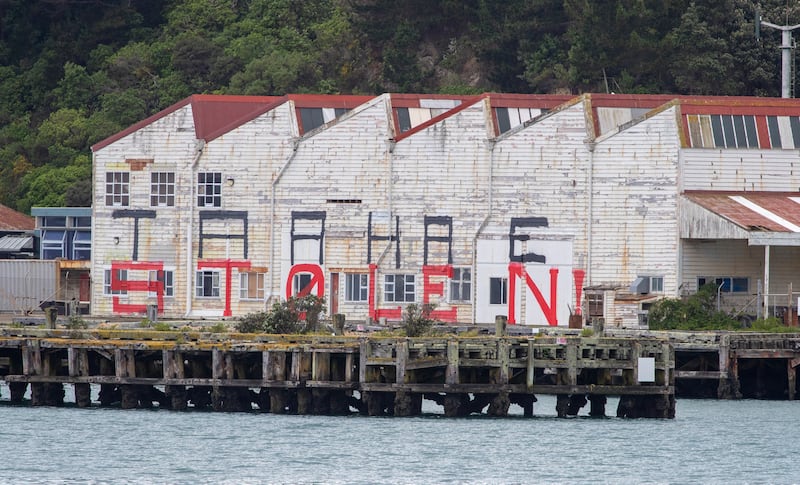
pixel 709 441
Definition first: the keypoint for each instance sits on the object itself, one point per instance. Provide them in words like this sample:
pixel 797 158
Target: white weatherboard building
pixel 531 206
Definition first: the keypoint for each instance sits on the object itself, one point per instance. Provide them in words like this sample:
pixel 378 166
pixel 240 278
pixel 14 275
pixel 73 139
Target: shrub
pixel 75 322
pixel 295 315
pixel 218 327
pixel 308 309
pixel 252 323
pixel 417 319
pixel 697 312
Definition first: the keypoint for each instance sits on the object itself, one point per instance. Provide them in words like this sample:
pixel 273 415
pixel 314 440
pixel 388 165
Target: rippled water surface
pixel 708 442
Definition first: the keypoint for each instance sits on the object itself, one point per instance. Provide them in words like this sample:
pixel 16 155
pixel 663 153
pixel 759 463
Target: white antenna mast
pixel 787 44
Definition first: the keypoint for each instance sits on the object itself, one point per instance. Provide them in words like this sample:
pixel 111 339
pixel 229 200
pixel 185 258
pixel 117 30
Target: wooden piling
pixel 333 374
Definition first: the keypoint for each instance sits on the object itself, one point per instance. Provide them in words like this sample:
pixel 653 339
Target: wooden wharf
pixel 318 374
pixel 732 365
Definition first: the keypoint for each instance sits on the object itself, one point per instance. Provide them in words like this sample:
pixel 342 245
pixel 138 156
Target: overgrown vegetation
pixel 75 322
pixel 219 327
pixel 73 72
pixel 417 320
pixel 698 312
pixel 292 316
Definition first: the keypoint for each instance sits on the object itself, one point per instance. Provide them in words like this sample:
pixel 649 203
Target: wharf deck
pixel 324 374
pixel 732 365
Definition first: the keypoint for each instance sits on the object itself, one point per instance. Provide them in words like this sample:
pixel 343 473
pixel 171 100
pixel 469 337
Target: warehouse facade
pixel 531 206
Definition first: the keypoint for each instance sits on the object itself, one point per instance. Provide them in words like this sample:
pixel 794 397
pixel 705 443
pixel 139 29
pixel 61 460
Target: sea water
pixel 709 441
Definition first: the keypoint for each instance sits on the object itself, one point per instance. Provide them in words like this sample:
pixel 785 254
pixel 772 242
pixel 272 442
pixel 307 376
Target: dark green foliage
pixel 417 319
pixel 251 323
pixel 696 312
pixel 292 316
pixel 73 72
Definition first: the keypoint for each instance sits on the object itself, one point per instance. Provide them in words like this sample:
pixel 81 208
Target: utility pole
pixel 787 44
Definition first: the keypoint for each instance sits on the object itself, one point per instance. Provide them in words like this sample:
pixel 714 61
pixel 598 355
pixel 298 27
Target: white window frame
pixel 409 287
pixel 118 189
pixel 200 287
pixel 54 244
pixel 461 285
pixel 168 281
pixel 123 276
pixel 80 246
pixel 298 282
pixel 657 284
pixel 214 198
pixel 245 292
pixel 503 290
pixel 356 287
pixel 162 189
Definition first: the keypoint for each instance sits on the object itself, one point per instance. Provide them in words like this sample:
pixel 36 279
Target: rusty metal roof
pixel 11 220
pixel 753 211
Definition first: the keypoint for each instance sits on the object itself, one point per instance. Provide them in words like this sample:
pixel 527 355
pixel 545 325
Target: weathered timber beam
pixel 444 388
pixel 426 363
pixel 331 385
pixel 767 354
pixel 605 390
pixel 697 374
pixel 254 383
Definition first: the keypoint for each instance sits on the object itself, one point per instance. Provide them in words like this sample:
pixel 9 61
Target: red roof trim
pixel 141 124
pixel 413 100
pixel 211 133
pixel 461 107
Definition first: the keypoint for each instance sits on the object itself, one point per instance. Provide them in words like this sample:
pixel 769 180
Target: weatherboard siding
pixel 170 143
pixel 635 211
pixel 741 169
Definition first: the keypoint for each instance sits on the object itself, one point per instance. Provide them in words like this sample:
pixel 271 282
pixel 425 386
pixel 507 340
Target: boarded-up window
pixel 251 286
pixel 594 305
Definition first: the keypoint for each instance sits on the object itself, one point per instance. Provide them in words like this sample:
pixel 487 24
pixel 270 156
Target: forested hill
pixel 73 72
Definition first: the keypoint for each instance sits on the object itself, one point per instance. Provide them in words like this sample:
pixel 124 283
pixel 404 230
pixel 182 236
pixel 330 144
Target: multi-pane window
pixel 311 118
pixel 461 284
pixel 300 281
pixel 723 131
pixel 122 275
pixel 82 245
pixel 251 286
pixel 166 277
pixel 726 284
pixel 508 118
pixel 498 291
pixel 162 189
pixel 207 284
pixel 118 188
pixel 356 287
pixel 656 284
pixel 594 304
pixel 784 132
pixel 399 288
pixel 53 244
pixel 209 189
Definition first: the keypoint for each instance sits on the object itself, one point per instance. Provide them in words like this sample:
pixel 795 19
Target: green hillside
pixel 73 72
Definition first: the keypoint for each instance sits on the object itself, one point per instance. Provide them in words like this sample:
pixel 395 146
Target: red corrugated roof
pixel 753 211
pixel 213 115
pixel 11 220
